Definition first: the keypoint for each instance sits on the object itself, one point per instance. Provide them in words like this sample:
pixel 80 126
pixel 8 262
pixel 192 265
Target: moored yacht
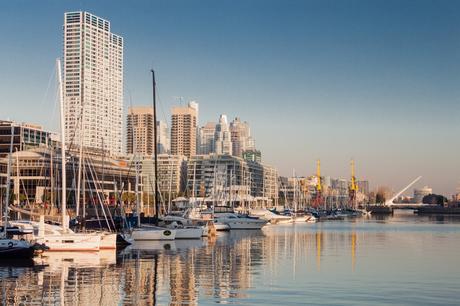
pixel 270 216
pixel 236 221
pixel 56 238
pixel 13 248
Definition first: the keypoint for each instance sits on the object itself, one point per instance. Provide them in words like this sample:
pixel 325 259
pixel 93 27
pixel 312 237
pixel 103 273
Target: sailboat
pixel 147 231
pixel 61 238
pixel 12 248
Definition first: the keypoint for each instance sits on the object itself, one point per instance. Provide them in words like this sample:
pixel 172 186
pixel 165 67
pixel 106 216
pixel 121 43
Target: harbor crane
pixel 353 188
pixel 318 197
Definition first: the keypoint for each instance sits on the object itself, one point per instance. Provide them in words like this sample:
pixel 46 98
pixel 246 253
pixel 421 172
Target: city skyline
pixel 385 95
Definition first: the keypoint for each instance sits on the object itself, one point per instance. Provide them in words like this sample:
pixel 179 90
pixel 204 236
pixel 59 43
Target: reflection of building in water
pixel 182 280
pixel 63 278
pixel 180 275
pixel 142 277
pixel 230 265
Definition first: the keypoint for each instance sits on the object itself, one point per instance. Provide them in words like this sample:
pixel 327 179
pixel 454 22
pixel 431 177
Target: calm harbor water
pixel 399 260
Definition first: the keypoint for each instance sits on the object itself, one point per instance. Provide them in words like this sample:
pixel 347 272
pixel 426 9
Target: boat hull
pixel 12 248
pixel 71 242
pixel 153 233
pixel 245 225
pixel 221 226
pixel 189 233
pixel 108 241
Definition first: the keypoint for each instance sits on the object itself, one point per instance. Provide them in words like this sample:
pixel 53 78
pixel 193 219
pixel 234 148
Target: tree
pixel 379 198
pixel 128 197
pixel 22 198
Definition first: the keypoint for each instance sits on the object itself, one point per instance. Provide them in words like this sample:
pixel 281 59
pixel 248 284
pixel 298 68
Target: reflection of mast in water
pixel 137 278
pixel 353 251
pixel 319 237
pixel 155 278
pixel 144 286
pixel 62 285
pixel 295 253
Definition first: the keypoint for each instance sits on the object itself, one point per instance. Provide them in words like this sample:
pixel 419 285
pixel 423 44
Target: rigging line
pixel 95 180
pixel 92 199
pixel 42 102
pixel 160 103
pixel 162 201
pixel 103 205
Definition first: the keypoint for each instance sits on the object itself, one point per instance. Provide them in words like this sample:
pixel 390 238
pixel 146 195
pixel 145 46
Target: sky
pixel 376 81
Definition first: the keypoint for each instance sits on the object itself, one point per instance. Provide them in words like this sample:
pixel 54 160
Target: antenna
pixel 179 99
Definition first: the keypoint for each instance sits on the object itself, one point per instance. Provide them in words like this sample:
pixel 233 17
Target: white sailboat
pixel 184 227
pixel 62 238
pixel 146 231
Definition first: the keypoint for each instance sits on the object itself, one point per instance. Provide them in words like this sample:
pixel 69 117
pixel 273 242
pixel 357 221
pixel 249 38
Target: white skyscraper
pixel 223 141
pixel 93 82
pixel 163 137
pixel 205 138
pixel 241 137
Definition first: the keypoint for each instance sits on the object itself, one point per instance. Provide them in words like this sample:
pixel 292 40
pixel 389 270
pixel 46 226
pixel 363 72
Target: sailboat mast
pixel 8 178
pixel 63 162
pixel 155 153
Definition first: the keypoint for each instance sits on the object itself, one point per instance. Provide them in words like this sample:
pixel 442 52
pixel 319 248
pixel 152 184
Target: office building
pixel 93 82
pixel 172 170
pixel 215 175
pixel 25 136
pixel 35 176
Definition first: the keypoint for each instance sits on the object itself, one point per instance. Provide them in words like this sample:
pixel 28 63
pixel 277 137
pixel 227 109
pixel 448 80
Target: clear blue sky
pixel 378 81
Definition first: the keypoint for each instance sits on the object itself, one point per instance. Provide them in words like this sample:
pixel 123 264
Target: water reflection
pixel 237 267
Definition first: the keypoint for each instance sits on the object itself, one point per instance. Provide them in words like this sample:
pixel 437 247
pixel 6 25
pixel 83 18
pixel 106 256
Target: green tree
pixel 380 198
pixel 128 197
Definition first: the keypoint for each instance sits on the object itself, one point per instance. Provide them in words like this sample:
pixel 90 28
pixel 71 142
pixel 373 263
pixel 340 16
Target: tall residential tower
pixel 184 129
pixel 139 131
pixel 93 82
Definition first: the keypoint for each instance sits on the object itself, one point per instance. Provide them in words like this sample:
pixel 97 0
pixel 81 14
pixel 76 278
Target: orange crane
pixel 318 198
